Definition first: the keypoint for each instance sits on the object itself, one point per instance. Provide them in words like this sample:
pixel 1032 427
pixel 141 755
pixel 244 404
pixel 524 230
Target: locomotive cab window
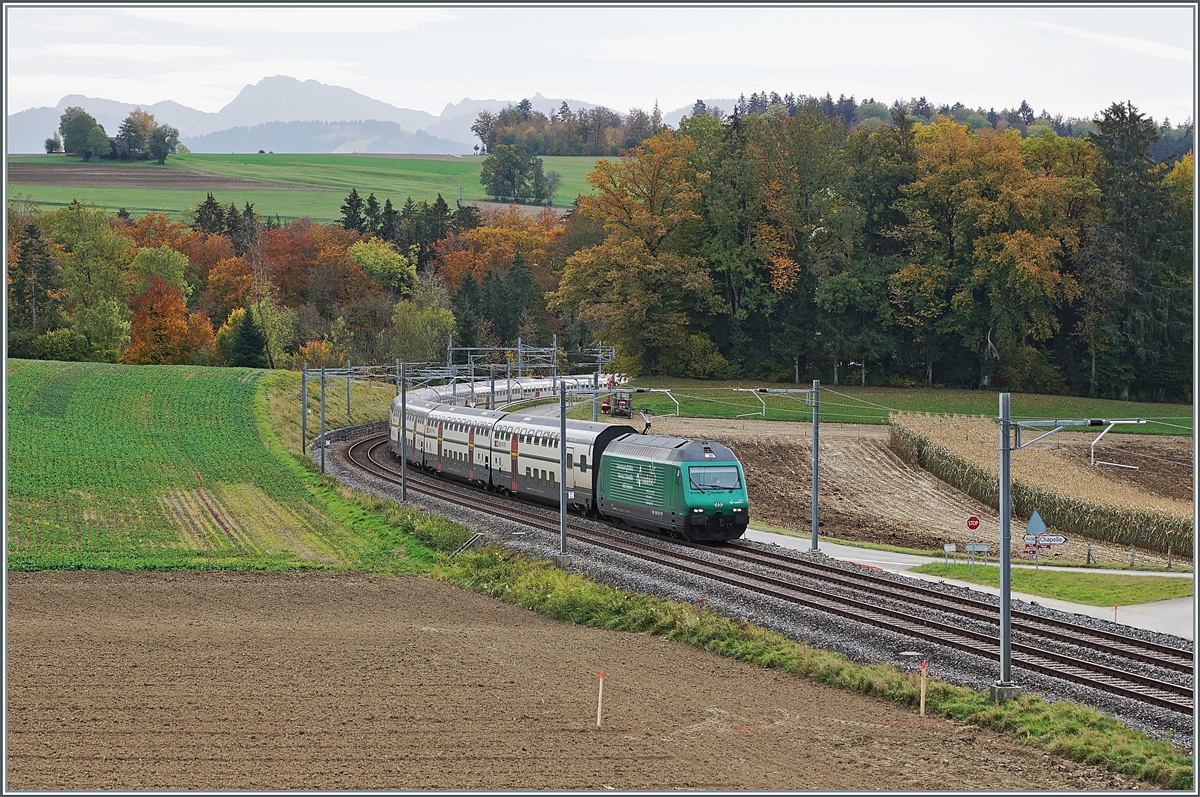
pixel 714 477
pixel 583 463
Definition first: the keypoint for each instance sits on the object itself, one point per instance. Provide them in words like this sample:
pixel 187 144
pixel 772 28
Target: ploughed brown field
pixel 91 175
pixel 869 494
pixel 332 681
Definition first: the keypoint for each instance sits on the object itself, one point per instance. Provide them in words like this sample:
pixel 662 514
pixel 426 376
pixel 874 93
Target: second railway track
pixel 371 455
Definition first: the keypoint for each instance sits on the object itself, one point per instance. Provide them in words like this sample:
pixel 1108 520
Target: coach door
pixel 513 456
pixel 471 453
pixel 439 457
pixel 570 481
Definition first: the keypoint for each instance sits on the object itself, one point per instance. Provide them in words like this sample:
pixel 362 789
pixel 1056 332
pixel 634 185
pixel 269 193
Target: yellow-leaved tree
pixel 639 286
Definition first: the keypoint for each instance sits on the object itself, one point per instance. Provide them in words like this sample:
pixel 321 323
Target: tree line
pixel 773 245
pixel 765 245
pixel 138 138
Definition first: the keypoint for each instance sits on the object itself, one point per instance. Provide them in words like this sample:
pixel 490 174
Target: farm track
pixel 366 455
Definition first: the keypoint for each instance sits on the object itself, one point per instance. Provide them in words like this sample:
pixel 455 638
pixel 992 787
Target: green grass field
pixel 1090 589
pixel 387 177
pixel 846 404
pixel 156 467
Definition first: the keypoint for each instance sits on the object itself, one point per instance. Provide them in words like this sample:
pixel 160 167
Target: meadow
pixel 397 177
pixel 1090 589
pixel 162 467
pixel 855 404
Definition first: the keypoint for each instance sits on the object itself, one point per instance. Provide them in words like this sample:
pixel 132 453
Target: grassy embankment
pixel 850 404
pixel 397 177
pixel 1090 589
pixel 179 467
pixel 938 553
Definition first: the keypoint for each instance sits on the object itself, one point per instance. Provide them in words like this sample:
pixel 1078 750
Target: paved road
pixel 1175 617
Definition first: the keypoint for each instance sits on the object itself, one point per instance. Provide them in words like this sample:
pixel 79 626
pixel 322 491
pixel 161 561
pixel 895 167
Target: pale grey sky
pixel 1074 60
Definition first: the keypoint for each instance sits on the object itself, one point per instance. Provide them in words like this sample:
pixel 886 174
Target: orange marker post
pixel 600 699
pixel 923 689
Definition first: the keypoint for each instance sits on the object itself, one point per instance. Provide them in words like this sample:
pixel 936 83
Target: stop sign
pixel 972 522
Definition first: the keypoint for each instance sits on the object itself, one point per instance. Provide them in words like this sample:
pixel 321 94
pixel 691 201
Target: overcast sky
pixel 1073 60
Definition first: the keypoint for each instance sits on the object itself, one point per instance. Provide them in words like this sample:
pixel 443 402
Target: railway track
pixel 370 454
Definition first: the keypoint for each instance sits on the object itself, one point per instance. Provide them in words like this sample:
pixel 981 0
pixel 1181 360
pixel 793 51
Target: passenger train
pixel 693 489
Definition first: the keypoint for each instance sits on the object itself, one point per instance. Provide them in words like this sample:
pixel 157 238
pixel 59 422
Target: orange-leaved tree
pixel 162 332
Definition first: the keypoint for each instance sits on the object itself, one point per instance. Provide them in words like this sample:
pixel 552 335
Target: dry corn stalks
pixel 964 452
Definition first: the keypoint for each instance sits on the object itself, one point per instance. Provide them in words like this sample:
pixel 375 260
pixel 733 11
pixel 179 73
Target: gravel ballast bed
pixel 858 642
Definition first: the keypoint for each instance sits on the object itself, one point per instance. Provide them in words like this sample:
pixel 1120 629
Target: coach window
pixel 583 463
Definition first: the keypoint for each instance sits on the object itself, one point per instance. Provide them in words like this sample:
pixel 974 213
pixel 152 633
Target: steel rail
pixel 1142 688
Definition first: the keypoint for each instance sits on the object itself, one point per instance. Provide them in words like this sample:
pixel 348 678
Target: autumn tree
pixel 133 136
pixel 33 299
pixel 82 135
pixel 163 141
pixel 381 262
pixel 94 275
pixel 639 285
pixel 159 333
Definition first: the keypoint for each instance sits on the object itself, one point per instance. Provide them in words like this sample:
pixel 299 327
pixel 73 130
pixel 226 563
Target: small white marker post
pixel 1114 612
pixel 600 699
pixel 923 689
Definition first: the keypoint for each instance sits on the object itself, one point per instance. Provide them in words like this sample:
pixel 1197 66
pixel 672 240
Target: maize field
pixel 963 452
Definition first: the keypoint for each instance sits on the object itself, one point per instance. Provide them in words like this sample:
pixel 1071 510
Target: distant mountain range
pixel 255 120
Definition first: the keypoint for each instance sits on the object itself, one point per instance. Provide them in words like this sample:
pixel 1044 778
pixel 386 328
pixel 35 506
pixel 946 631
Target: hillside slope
pixel 147 467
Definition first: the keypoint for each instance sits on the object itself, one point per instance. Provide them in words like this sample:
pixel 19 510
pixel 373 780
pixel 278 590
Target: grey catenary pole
pixel 816 457
pixel 1005 546
pixel 562 469
pixel 322 437
pixel 404 433
pixel 303 407
pixel 349 416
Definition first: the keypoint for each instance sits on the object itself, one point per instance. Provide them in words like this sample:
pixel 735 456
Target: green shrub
pixel 65 345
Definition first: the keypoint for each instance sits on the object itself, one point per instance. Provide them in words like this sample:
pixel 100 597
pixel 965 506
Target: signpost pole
pixel 816 458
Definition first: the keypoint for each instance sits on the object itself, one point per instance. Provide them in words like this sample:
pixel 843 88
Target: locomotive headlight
pixel 698 509
pixel 737 509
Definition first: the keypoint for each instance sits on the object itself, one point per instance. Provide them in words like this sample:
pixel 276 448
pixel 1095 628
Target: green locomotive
pixel 693 489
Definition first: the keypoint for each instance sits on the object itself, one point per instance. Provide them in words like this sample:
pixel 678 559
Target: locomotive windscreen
pixel 715 477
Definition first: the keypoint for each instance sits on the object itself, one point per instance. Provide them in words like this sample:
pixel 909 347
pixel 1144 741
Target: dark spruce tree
pixel 371 216
pixel 250 345
pixel 352 211
pixel 389 222
pixel 209 217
